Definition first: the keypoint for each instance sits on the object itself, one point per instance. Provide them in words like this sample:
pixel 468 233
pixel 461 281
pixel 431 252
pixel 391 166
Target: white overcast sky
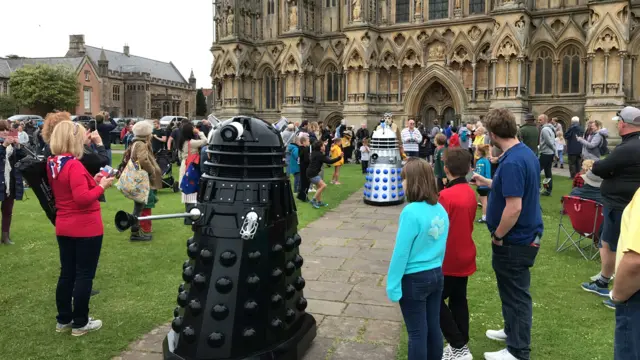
pixel 166 30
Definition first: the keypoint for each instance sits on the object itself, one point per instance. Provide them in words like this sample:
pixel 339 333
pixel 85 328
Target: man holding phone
pixel 104 125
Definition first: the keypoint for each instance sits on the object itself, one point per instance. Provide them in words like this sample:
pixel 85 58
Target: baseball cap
pixel 629 115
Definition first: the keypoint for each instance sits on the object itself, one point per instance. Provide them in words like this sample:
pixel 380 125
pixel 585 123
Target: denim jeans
pixel 110 155
pixel 420 305
pixel 627 339
pixel 78 263
pixel 511 264
pixel 296 182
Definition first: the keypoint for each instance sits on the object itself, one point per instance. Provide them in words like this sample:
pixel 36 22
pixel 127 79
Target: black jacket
pixel 104 129
pixel 316 161
pixel 620 172
pixel 362 134
pixel 573 146
pixel 304 155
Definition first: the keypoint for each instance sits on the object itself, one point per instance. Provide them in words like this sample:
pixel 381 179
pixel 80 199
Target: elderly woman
pixel 190 142
pixel 142 153
pixel 11 184
pixel 79 227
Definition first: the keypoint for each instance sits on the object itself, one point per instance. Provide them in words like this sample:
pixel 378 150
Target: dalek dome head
pixel 246 131
pixel 245 148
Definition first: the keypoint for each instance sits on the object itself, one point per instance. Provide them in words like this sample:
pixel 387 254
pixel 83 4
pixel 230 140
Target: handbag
pixel 189 184
pixel 134 182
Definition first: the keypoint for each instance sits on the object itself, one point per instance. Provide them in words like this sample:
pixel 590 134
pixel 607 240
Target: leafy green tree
pixel 44 88
pixel 8 106
pixel 201 104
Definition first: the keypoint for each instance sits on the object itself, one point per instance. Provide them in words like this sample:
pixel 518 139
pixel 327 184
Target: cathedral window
pixel 438 9
pixel 543 72
pixel 271 7
pixel 402 11
pixel 571 70
pixel 270 90
pixel 333 84
pixel 330 3
pixel 476 6
pixel 116 93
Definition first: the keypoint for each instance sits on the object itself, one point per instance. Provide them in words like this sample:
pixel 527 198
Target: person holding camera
pixel 11 184
pixel 104 126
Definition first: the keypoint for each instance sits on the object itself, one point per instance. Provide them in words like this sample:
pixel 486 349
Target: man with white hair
pixel 574 147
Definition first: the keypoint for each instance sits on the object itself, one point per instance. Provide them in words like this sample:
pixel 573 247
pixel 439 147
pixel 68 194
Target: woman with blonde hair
pixel 11 184
pixel 314 131
pixel 141 152
pixel 79 227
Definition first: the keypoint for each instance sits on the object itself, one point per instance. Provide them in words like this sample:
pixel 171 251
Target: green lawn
pixel 568 323
pixel 138 282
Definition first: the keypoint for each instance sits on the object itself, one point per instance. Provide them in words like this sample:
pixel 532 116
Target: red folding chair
pixel 586 219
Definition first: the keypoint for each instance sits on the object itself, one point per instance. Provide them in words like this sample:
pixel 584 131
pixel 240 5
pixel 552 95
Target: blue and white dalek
pixel 383 184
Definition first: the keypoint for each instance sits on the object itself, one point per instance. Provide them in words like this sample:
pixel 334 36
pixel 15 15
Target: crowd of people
pixel 432 261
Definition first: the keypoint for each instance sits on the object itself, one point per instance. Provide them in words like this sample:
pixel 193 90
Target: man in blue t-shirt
pixel 514 218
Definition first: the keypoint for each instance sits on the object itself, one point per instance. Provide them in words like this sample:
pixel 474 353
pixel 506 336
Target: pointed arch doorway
pixel 436 104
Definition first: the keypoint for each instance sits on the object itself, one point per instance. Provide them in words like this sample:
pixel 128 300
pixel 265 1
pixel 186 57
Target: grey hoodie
pixel 591 145
pixel 547 140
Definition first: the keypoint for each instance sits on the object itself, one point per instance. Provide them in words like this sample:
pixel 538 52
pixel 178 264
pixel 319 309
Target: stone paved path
pixel 346 255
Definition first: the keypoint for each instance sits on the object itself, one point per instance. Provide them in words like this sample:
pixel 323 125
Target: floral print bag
pixel 134 183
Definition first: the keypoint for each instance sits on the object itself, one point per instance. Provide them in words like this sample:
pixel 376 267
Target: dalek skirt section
pixel 242 296
pixel 383 184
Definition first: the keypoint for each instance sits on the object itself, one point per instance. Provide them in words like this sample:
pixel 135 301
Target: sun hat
pixel 591 179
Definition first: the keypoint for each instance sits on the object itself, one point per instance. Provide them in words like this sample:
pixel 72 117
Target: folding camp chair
pixel 586 219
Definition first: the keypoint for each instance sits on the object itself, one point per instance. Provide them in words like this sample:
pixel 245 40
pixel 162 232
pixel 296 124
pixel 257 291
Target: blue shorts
pixel 316 179
pixel 611 227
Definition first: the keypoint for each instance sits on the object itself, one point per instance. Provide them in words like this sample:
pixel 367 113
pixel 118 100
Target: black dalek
pixel 242 292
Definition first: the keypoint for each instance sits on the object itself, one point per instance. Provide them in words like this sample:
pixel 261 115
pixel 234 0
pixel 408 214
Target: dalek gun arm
pixel 124 220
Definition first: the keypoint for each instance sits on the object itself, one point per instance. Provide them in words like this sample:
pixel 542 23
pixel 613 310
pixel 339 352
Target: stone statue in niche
pixel 247 23
pixel 520 24
pixel 293 15
pixel 356 10
pixel 594 18
pixel 436 51
pixel 457 4
pixel 418 7
pixel 475 33
pixel 230 23
pixel 383 11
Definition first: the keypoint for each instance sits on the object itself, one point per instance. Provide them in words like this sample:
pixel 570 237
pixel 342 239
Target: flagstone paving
pixel 346 255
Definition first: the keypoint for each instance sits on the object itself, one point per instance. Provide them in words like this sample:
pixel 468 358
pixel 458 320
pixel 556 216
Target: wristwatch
pixel 614 300
pixel 495 237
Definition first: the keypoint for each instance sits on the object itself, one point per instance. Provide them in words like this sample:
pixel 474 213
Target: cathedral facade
pixel 451 60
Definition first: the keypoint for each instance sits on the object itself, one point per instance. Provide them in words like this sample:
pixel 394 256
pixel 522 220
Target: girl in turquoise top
pixel 483 167
pixel 415 274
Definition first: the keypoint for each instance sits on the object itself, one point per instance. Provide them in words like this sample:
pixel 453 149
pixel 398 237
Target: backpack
pixel 604 146
pixel 463 135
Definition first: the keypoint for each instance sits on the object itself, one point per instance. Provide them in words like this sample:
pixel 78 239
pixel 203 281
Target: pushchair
pixel 163 157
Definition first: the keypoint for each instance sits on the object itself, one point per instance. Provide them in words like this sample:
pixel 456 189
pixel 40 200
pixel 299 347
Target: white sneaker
pixel 447 354
pixel 461 354
pixel 597 276
pixel 92 325
pixel 497 335
pixel 312 190
pixel 503 354
pixel 63 327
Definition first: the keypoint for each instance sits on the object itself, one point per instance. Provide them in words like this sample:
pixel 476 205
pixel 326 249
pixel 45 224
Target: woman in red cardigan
pixel 79 226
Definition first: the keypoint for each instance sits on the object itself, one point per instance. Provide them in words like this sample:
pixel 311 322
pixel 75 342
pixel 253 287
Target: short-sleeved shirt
pixel 518 175
pixel 438 163
pixel 629 229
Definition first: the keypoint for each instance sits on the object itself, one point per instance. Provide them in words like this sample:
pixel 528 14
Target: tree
pixel 8 106
pixel 201 104
pixel 44 88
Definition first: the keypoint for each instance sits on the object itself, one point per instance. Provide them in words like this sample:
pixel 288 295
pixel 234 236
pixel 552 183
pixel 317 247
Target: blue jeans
pixel 627 340
pixel 78 264
pixel 296 182
pixel 511 264
pixel 110 156
pixel 420 305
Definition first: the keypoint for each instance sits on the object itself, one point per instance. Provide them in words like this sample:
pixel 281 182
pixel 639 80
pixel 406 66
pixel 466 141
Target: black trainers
pixel 140 236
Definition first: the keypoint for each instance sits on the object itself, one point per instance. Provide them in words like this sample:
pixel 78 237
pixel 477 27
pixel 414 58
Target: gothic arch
pixel 427 77
pixel 563 114
pixel 571 42
pixel 354 60
pixel 333 119
pixel 461 41
pixel 263 68
pixel 388 60
pixel 325 64
pixel 616 42
pixel 543 45
pixel 502 49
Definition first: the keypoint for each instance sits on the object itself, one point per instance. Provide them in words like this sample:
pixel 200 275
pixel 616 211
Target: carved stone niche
pixel 436 51
pixel 474 33
pixel 607 41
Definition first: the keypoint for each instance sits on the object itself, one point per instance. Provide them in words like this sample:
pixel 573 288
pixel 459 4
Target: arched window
pixel 438 9
pixel 571 70
pixel 402 11
pixel 270 90
pixel 271 7
pixel 543 72
pixel 333 83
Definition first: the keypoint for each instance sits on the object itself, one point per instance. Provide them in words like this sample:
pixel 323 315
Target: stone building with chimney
pixel 450 60
pixel 134 86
